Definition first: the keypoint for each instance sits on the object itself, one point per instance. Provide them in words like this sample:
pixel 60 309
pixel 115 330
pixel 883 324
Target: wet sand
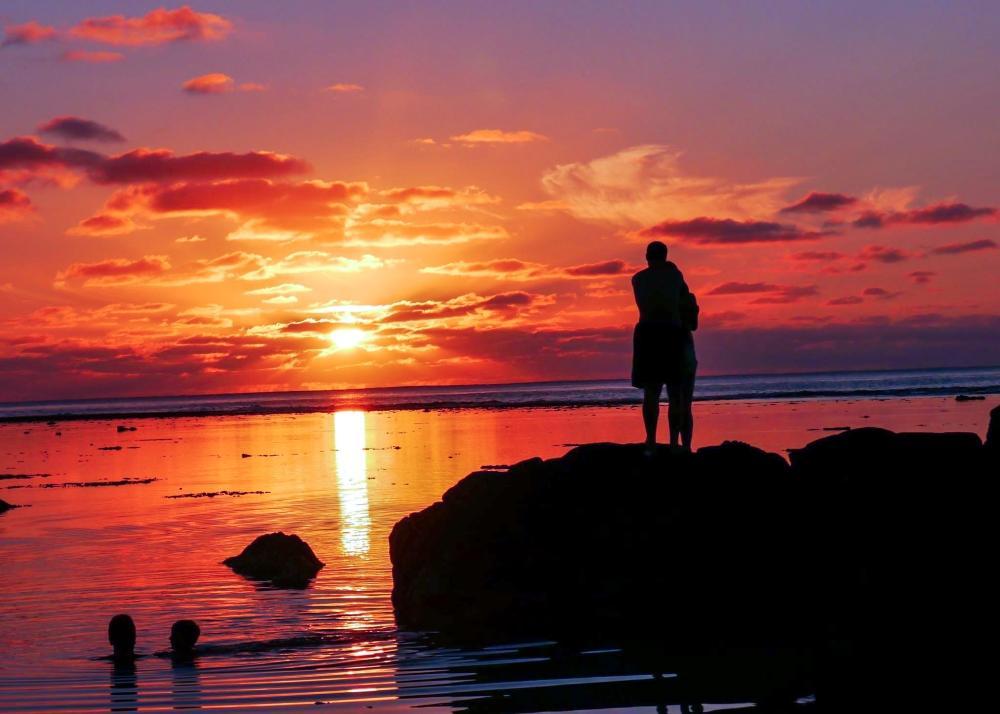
pixel 80 555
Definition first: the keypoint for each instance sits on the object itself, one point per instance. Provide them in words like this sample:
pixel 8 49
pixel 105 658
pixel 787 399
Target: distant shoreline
pixel 456 405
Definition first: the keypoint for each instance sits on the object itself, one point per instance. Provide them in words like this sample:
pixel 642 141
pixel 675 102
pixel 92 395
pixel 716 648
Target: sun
pixel 348 338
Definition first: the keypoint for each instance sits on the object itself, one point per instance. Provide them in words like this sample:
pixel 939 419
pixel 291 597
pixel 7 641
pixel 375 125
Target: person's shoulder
pixel 639 275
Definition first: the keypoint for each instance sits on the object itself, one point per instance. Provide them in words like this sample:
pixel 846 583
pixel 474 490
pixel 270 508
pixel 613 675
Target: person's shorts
pixel 661 353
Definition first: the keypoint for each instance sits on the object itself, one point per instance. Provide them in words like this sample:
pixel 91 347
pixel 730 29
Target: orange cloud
pixel 389 233
pixel 95 57
pixel 498 136
pixel 428 198
pixel 115 271
pixel 239 265
pixel 29 33
pixel 520 270
pixel 278 290
pixel 156 27
pixel 344 88
pixel 104 224
pixel 213 83
pixel 219 83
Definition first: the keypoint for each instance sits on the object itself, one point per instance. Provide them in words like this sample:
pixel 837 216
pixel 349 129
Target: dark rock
pixel 969 398
pixel 4 506
pixel 122 428
pixel 601 540
pixel 284 560
pixel 869 552
pixel 993 432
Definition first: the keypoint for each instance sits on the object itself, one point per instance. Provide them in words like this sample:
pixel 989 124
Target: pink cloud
pixel 726 231
pixel 70 127
pixel 958 248
pixel 929 215
pixel 91 57
pixel 771 294
pixel 883 254
pixel 820 203
pixel 29 33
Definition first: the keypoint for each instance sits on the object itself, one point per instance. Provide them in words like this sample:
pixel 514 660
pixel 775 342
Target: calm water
pixel 77 555
pixel 907 383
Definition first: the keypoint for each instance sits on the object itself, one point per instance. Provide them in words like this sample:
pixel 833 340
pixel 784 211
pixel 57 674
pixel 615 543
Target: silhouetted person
pixel 121 636
pixel 663 348
pixel 184 636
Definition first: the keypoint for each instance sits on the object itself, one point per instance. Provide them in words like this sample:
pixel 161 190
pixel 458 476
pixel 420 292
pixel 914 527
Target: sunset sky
pixel 250 195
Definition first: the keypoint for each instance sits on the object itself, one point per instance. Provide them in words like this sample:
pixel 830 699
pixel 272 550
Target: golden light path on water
pixel 352 482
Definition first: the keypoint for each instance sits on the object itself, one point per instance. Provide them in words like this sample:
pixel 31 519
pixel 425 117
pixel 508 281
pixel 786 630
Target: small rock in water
pixel 285 560
pixel 969 398
pixel 4 506
pixel 123 428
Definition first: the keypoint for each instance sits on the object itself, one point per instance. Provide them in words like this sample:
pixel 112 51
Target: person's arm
pixel 684 286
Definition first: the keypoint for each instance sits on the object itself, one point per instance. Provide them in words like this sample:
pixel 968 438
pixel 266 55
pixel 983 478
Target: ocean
pixel 825 385
pixel 126 515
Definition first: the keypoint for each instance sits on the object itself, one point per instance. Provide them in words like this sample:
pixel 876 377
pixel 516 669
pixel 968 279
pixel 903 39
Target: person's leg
pixel 688 430
pixel 675 410
pixel 651 411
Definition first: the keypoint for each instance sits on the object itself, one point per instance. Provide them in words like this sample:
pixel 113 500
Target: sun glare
pixel 347 338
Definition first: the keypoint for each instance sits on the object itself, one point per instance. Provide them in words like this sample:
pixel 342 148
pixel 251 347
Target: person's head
pixel 121 635
pixel 656 252
pixel 184 635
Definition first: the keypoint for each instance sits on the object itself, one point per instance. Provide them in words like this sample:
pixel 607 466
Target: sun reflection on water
pixel 352 482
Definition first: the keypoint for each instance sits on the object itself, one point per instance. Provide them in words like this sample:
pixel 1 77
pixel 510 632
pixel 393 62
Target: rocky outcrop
pixel 868 548
pixel 606 540
pixel 4 506
pixel 284 560
pixel 993 433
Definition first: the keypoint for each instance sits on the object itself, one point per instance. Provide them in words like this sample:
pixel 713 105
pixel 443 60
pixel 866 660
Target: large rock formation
pixel 867 549
pixel 284 560
pixel 605 540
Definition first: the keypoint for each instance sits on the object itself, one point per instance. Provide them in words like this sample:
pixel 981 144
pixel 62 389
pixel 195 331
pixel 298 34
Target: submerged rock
pixel 284 560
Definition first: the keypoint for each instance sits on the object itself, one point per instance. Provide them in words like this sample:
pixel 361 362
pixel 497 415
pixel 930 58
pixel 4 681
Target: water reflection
pixel 185 685
pixel 124 688
pixel 352 482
